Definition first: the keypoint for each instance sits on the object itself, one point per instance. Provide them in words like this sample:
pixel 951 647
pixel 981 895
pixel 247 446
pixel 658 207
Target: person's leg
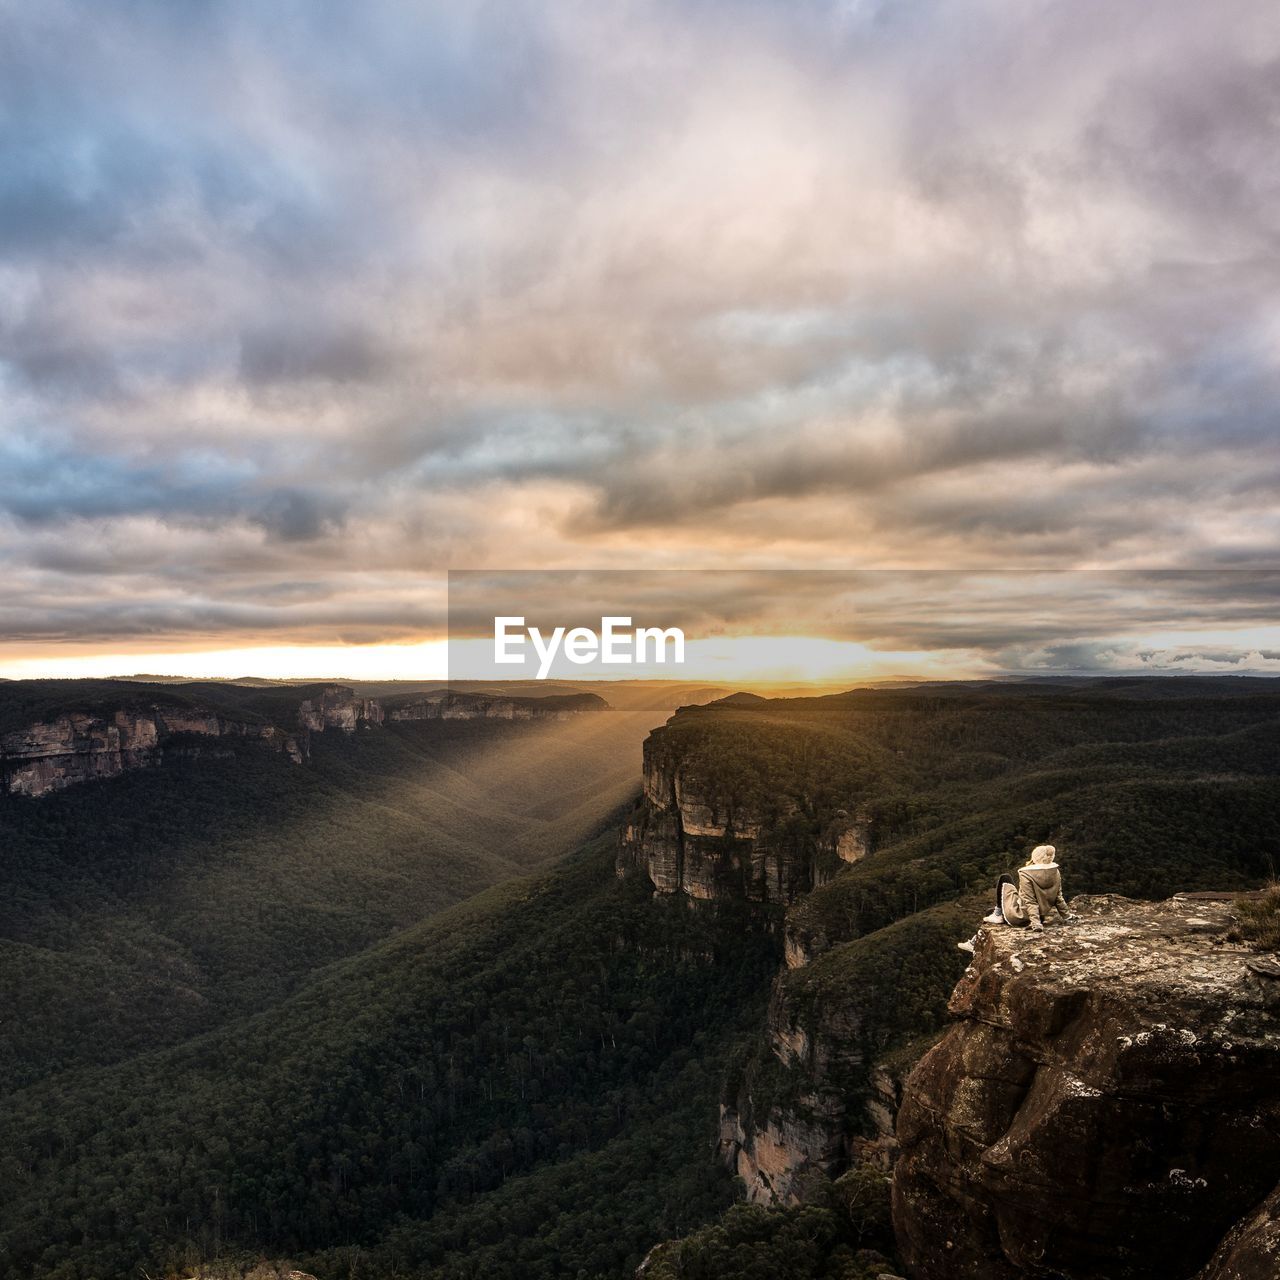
pixel 997 915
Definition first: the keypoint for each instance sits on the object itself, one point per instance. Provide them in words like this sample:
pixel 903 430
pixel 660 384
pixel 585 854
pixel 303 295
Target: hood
pixel 1046 876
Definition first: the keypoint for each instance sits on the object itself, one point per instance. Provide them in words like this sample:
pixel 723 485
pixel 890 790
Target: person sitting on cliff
pixel 1026 902
pixel 1040 887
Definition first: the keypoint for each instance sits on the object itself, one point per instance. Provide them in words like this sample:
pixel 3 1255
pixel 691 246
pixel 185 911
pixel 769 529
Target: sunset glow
pixel 285 336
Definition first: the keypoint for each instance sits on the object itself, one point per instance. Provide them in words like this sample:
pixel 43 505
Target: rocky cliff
pixel 81 745
pixel 821 1093
pixel 1103 1108
pixel 693 834
pixel 717 823
pixel 337 707
pixel 937 799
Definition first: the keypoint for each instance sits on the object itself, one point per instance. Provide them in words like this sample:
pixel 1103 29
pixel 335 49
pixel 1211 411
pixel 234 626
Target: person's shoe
pixel 1037 927
pixel 966 946
pixel 996 917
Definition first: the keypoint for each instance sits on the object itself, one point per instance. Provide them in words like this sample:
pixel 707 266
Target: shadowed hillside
pixel 140 909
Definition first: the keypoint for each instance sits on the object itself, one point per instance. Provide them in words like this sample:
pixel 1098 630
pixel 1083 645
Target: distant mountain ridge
pixel 59 733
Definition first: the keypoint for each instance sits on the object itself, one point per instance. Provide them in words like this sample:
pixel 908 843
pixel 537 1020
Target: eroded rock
pixel 80 747
pixel 1105 1106
pixel 691 835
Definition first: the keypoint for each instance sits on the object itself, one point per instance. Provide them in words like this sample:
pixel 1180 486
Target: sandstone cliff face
pixel 823 1093
pixel 337 707
pixel 687 839
pixel 785 1121
pixel 772 1155
pixel 803 1127
pixel 428 707
pixel 79 747
pixel 75 748
pixel 777 1149
pixel 1105 1106
pixel 687 836
pixel 690 835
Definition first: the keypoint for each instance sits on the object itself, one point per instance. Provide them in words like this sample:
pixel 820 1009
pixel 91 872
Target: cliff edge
pixel 714 824
pixel 101 737
pixel 1104 1107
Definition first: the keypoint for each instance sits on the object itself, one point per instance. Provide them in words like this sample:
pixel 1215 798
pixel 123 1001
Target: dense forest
pixel 140 910
pixel 527 1050
pixel 526 1084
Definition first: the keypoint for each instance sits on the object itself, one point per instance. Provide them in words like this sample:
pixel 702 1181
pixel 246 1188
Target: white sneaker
pixel 996 917
pixel 966 946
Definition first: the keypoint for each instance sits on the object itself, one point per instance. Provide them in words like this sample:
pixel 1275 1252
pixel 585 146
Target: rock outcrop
pixel 79 746
pixel 1104 1107
pixel 337 707
pixel 687 835
pixel 821 1094
pixel 789 1117
pixel 816 1132
pixel 699 830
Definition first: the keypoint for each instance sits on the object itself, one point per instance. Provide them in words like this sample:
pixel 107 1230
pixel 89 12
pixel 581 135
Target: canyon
pixel 743 985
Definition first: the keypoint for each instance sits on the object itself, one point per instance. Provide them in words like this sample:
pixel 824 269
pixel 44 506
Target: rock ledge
pixel 1105 1107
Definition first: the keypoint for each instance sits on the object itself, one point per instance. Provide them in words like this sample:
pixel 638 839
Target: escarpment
pixel 703 830
pixel 80 745
pixel 337 707
pixel 1091 1098
pixel 1103 1108
pixel 821 1093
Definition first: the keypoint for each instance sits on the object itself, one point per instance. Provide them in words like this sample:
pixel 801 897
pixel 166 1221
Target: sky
pixel 304 304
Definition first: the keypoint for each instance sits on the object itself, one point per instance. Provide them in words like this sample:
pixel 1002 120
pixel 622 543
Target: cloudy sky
pixel 303 304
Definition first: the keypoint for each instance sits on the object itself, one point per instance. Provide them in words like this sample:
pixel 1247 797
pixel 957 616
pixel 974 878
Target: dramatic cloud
pixel 301 304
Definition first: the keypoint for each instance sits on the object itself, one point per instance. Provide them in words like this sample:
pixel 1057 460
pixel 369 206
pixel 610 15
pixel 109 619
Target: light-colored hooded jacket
pixel 1040 885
